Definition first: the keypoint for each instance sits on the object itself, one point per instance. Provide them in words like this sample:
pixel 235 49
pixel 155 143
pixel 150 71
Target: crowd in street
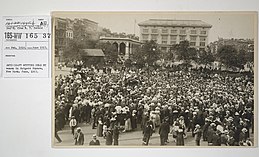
pixel 212 107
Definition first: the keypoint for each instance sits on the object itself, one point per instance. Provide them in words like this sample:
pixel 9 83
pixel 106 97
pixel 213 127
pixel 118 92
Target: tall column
pixel 118 48
pixel 127 48
pixel 131 47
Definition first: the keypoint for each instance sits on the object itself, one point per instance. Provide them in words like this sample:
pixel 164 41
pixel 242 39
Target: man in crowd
pixel 213 102
pixel 94 141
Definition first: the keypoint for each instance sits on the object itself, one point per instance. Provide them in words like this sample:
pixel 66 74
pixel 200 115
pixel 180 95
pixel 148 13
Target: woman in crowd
pixel 138 96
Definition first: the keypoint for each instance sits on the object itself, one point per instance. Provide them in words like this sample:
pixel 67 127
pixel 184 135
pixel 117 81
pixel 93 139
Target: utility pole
pixel 134 26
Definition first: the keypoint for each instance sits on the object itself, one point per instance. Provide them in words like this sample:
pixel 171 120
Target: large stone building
pixel 67 30
pixel 240 44
pixel 60 33
pixel 167 32
pixel 85 28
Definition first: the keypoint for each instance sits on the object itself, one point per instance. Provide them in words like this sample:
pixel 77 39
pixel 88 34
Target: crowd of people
pixel 213 107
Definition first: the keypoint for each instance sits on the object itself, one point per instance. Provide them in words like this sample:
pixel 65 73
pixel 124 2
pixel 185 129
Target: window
pixel 164 37
pixel 193 32
pixel 193 38
pixel 154 30
pixel 192 43
pixel 145 30
pixel 172 42
pixel 182 38
pixel 202 39
pixel 164 42
pixel 202 43
pixel 164 31
pixel 173 37
pixel 173 31
pixel 69 34
pixel 154 37
pixel 183 31
pixel 202 49
pixel 203 32
pixel 145 36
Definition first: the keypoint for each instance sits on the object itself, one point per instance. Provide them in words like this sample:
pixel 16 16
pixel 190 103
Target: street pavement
pixel 132 138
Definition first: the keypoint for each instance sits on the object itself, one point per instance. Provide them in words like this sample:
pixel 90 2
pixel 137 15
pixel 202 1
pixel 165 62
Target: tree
pixel 241 58
pixel 72 51
pixel 184 52
pixel 250 56
pixel 109 50
pixel 206 57
pixel 229 56
pixel 149 53
pixel 170 55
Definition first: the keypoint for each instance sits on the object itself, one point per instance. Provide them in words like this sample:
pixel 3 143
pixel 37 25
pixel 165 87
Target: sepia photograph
pixel 154 79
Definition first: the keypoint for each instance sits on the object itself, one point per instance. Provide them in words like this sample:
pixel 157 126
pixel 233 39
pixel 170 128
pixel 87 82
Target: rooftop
pixel 119 38
pixel 92 52
pixel 171 22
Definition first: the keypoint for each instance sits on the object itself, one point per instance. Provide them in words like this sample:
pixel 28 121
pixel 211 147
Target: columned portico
pixel 124 45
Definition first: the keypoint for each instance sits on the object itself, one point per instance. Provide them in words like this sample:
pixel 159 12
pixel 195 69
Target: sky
pixel 224 24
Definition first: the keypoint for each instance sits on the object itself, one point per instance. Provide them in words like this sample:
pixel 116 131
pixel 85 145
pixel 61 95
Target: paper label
pixel 26 46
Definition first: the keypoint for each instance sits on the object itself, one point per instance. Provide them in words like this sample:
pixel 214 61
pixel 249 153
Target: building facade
pixel 167 32
pixel 84 28
pixel 60 33
pixel 239 44
pixel 67 30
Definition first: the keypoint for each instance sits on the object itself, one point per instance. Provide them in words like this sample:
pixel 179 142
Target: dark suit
pixel 163 131
pixel 116 135
pixel 109 138
pixel 147 133
pixel 79 138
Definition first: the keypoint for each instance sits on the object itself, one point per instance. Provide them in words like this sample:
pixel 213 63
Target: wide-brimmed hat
pixel 197 126
pixel 78 129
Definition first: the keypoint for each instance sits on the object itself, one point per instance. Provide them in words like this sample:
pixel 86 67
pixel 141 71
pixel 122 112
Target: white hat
pixel 244 130
pixel 78 128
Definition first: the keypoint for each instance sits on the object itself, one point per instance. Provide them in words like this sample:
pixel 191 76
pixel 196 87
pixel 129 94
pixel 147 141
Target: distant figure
pixel 109 137
pixel 148 130
pixel 180 136
pixel 79 137
pixel 163 131
pixel 197 134
pixel 95 141
pixel 99 127
pixel 116 133
pixel 73 124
